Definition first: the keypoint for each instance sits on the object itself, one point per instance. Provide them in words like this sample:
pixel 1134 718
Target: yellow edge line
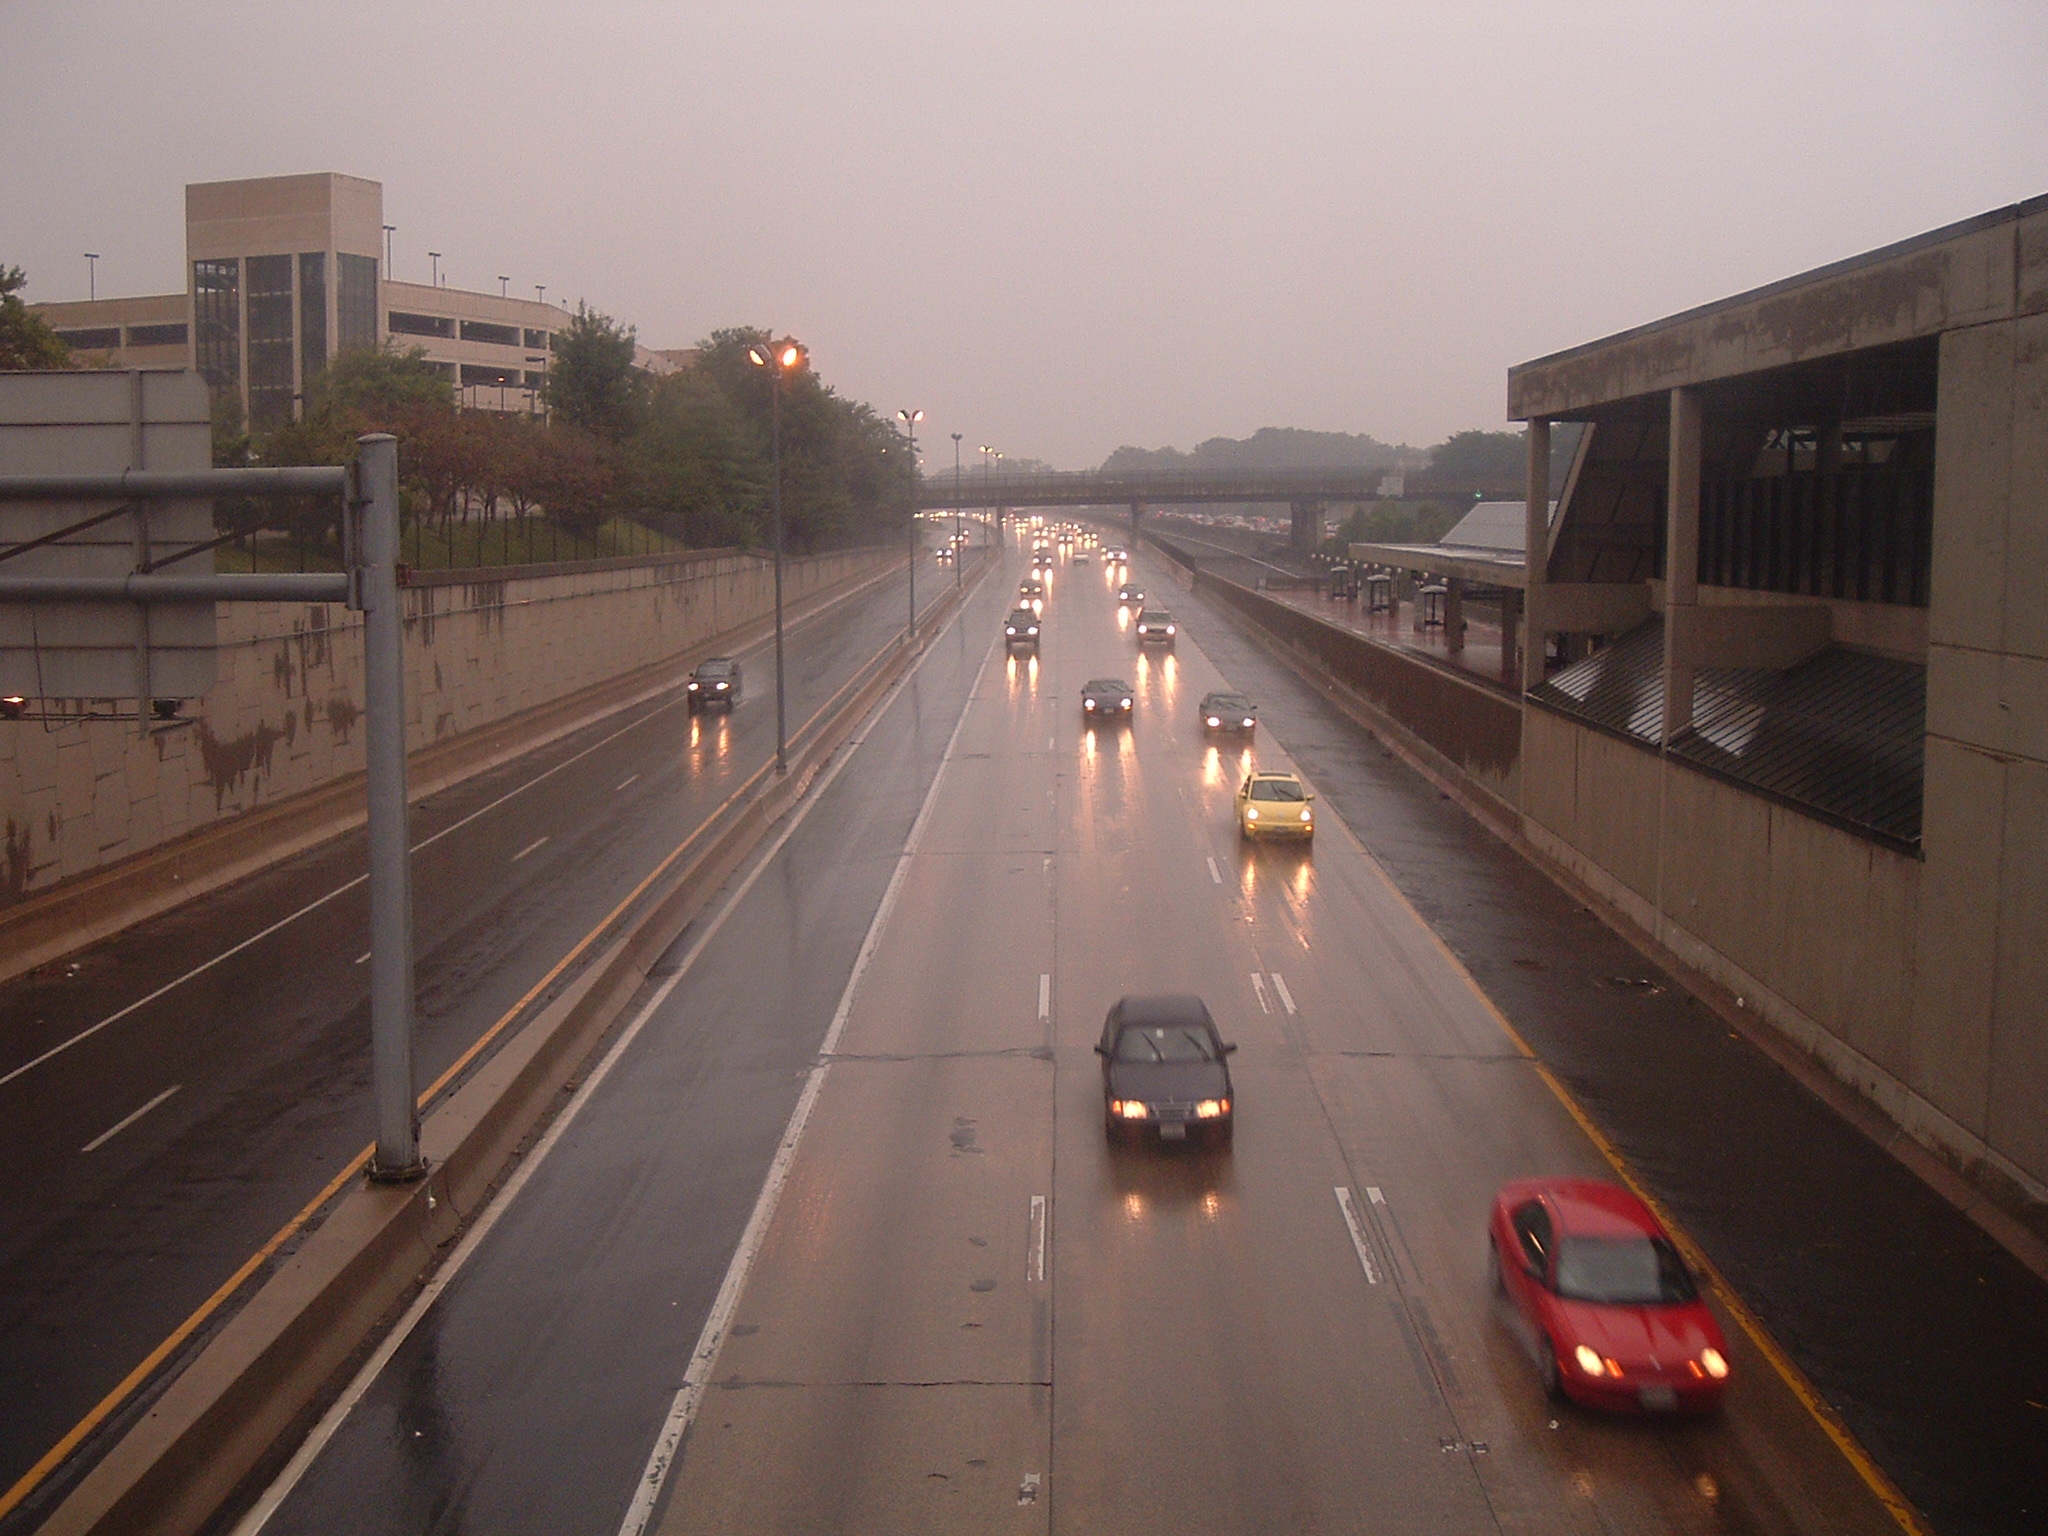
pixel 100 1411
pixel 1881 1486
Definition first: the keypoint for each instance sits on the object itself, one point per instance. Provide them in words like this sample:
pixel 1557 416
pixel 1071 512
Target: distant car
pixel 1275 805
pixel 1020 629
pixel 1229 712
pixel 1130 592
pixel 1081 555
pixel 1615 1316
pixel 1031 589
pixel 943 553
pixel 1105 698
pixel 1118 555
pixel 1164 1070
pixel 1156 627
pixel 716 682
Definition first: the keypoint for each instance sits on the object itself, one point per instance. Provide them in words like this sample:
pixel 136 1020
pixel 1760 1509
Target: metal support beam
pixel 375 501
pixel 1536 553
pixel 1681 554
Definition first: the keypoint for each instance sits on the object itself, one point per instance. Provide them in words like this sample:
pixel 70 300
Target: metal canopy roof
pixel 1840 736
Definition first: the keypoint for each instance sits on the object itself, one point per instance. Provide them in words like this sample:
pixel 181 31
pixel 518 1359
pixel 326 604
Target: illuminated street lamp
pixel 910 420
pixel 779 358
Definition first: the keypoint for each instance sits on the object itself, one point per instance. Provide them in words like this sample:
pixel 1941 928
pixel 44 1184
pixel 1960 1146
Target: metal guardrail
pixel 1081 488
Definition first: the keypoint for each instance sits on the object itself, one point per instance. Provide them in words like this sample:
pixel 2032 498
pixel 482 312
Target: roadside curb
pixel 67 918
pixel 272 1361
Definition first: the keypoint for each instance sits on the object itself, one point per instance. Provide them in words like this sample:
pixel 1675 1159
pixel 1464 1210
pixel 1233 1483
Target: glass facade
pixel 92 338
pixel 355 301
pixel 217 310
pixel 312 313
pixel 167 335
pixel 271 303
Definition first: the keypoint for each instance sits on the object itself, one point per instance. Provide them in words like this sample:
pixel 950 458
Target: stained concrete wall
pixel 286 713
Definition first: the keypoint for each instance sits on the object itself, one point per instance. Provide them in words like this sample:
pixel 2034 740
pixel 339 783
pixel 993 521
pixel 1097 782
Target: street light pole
pixel 92 275
pixel 911 419
pixel 435 257
pixel 778 357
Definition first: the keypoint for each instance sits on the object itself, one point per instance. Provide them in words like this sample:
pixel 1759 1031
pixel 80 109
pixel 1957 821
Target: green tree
pixel 1482 461
pixel 26 340
pixel 592 382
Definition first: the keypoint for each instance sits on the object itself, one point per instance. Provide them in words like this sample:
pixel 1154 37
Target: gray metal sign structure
pixel 106 604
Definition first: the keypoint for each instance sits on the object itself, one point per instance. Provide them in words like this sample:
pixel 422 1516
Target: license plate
pixel 1659 1397
pixel 1173 1130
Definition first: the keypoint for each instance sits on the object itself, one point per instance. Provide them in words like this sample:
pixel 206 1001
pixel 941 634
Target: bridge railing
pixel 1163 487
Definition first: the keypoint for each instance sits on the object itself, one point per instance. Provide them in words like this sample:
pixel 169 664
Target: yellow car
pixel 1275 805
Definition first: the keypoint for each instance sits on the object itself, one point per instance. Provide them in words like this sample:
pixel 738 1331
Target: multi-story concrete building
pixel 283 272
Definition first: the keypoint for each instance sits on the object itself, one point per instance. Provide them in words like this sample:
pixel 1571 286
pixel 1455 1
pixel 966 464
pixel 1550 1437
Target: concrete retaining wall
pixel 286 713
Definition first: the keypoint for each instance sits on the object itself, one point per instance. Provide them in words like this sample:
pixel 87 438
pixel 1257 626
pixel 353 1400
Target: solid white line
pixel 1259 986
pixel 1286 997
pixel 1044 997
pixel 1215 874
pixel 364 957
pixel 1048 743
pixel 307 1453
pixel 522 853
pixel 119 1126
pixel 1357 1230
pixel 312 906
pixel 704 1358
pixel 631 778
pixel 1372 1193
pixel 1034 1265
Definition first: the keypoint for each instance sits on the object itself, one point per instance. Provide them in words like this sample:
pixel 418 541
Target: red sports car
pixel 1618 1322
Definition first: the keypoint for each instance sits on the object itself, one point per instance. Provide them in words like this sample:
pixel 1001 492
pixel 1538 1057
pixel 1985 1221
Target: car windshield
pixel 1230 703
pixel 1023 616
pixel 1276 789
pixel 1156 616
pixel 715 669
pixel 1165 1042
pixel 1103 685
pixel 1632 1271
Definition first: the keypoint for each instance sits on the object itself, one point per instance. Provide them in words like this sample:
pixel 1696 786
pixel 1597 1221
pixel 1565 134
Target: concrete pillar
pixel 1681 551
pixel 1510 635
pixel 1536 557
pixel 1137 510
pixel 1454 613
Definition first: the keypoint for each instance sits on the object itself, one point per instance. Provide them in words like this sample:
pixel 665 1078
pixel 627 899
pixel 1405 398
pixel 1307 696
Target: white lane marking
pixel 1372 1193
pixel 364 957
pixel 1048 743
pixel 1259 986
pixel 1034 1263
pixel 1286 997
pixel 1215 874
pixel 1027 1491
pixel 121 1125
pixel 704 1358
pixel 631 778
pixel 1356 1228
pixel 312 906
pixel 304 1457
pixel 522 853
pixel 1044 997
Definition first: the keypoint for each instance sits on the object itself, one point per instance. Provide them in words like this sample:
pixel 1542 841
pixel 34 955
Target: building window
pixel 403 324
pixel 355 302
pixel 496 335
pixel 312 313
pixel 536 380
pixel 217 311
pixel 157 335
pixel 270 339
pixel 486 373
pixel 98 338
pixel 536 339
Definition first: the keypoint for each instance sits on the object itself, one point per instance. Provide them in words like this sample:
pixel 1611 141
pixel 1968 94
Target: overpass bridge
pixel 1308 492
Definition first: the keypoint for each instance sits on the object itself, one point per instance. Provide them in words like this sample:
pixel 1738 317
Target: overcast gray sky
pixel 1057 227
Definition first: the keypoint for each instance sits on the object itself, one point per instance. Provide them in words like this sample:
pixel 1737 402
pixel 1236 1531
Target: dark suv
pixel 716 681
pixel 1163 1069
pixel 1021 628
pixel 1156 627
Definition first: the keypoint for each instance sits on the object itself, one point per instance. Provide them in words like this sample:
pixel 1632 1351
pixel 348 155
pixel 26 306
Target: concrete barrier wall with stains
pixel 286 713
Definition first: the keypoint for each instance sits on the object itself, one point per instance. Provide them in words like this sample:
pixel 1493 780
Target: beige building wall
pixel 285 715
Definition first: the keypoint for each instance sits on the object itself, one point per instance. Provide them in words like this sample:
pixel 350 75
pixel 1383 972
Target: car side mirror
pixel 1230 1048
pixel 1101 1049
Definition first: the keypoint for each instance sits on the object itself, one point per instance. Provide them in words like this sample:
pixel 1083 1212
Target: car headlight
pixel 1211 1109
pixel 1127 704
pixel 1031 629
pixel 1247 722
pixel 1142 630
pixel 1009 629
pixel 1214 721
pixel 1304 813
pixel 1589 1362
pixel 1132 1109
pixel 1715 1362
pixel 723 686
pixel 693 687
pixel 1251 813
pixel 1169 629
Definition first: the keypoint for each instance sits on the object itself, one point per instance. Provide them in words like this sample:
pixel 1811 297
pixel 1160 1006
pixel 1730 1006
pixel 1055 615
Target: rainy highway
pixel 831 1238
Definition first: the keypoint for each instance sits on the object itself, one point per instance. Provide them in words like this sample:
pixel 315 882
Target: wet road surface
pixel 970 1312
pixel 153 1157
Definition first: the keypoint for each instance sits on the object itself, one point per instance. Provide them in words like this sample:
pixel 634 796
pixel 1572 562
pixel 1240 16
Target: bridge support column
pixel 1305 533
pixel 1137 512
